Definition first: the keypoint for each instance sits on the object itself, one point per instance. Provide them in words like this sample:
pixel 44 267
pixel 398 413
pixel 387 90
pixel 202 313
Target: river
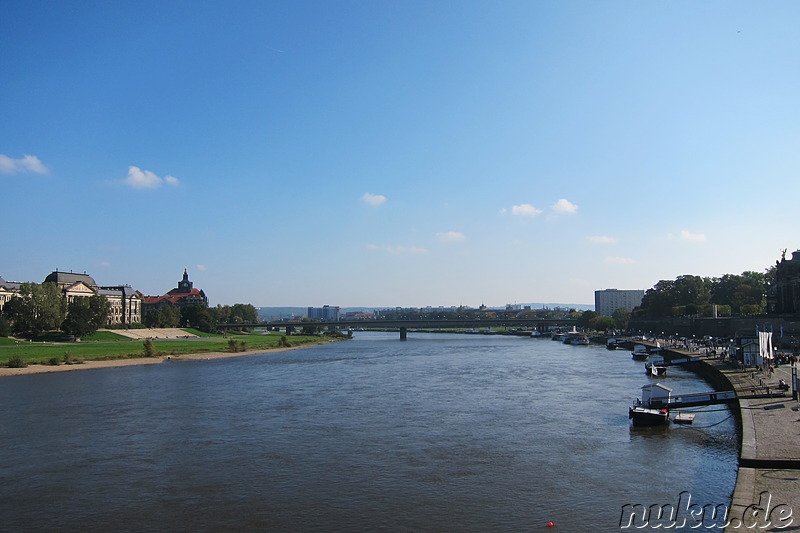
pixel 442 432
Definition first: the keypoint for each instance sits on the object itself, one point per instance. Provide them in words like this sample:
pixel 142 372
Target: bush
pixel 149 348
pixel 68 359
pixel 283 342
pixel 54 361
pixel 16 362
pixel 237 346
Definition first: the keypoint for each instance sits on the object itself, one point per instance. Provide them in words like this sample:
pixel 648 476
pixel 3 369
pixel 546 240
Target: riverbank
pixel 769 455
pixel 131 361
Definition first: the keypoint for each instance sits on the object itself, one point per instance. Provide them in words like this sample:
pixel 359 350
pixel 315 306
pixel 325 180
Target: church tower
pixel 185 286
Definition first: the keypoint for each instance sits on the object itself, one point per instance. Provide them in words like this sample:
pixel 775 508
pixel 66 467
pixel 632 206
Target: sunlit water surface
pixel 440 433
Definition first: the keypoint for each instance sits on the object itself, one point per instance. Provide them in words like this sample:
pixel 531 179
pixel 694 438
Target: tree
pixel 79 318
pixel 585 319
pixel 38 308
pixel 621 318
pixel 100 309
pixel 86 315
pixel 603 323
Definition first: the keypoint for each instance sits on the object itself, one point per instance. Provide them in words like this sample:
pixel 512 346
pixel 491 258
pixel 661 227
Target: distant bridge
pixel 540 324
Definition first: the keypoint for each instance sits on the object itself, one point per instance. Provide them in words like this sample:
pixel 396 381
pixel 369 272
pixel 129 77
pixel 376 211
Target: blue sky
pixel 398 153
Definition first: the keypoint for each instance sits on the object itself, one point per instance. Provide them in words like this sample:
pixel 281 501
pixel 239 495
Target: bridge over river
pixel 540 324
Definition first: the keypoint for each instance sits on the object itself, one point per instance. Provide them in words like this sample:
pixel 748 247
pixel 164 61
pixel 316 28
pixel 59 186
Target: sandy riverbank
pixel 91 364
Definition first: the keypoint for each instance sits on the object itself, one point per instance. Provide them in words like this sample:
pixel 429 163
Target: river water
pixel 443 432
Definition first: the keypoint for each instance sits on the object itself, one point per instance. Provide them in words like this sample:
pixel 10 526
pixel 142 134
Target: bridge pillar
pixel 403 334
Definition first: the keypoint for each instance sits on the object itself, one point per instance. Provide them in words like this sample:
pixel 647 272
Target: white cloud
pixel 524 210
pixel 451 236
pixel 601 239
pixel 144 179
pixel 618 261
pixel 201 268
pixel 694 237
pixel 564 206
pixel 104 264
pixel 373 199
pixel 398 250
pixel 28 163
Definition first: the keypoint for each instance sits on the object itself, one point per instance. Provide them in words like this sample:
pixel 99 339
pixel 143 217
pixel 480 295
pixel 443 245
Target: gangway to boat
pixel 693 400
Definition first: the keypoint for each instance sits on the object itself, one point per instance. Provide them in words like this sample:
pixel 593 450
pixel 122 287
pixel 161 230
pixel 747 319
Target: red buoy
pixel 550 524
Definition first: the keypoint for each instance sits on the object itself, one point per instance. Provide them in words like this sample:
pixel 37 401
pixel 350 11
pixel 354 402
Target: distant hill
pixel 275 313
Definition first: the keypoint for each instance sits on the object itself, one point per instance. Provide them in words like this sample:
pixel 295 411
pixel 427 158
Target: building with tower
pixel 182 295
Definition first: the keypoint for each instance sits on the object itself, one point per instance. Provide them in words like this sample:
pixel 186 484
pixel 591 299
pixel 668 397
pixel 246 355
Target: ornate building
pixel 182 295
pixel 784 297
pixel 125 304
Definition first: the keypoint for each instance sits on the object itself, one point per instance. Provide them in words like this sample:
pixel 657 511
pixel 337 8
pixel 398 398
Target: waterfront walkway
pixel 770 454
pixel 769 460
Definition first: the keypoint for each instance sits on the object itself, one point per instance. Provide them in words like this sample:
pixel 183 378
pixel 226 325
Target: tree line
pixel 688 295
pixel 199 316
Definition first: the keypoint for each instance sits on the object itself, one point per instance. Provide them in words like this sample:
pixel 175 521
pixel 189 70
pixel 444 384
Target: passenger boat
pixel 576 340
pixel 644 416
pixel 611 344
pixel 639 352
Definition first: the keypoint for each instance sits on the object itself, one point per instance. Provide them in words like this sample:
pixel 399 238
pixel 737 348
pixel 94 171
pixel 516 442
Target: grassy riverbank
pixel 112 346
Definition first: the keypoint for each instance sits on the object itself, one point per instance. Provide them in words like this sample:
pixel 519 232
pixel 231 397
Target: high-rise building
pixel 326 312
pixel 609 300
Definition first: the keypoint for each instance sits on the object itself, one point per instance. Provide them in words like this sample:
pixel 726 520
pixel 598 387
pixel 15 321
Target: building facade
pixel 609 300
pixel 784 297
pixel 125 304
pixel 326 312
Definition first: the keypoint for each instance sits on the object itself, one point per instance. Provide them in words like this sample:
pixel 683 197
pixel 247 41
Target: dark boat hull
pixel 648 417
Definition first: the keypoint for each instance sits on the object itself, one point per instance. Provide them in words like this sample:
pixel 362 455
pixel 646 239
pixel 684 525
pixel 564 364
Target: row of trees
pixel 43 307
pixel 199 316
pixel 744 294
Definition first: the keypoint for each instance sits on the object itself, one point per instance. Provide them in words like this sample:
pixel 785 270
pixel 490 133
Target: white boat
pixel 558 337
pixel 577 340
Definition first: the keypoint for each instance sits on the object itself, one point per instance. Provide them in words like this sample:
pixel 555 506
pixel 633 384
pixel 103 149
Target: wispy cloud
pixel 201 268
pixel 564 206
pixel 104 264
pixel 398 250
pixel 451 236
pixel 601 239
pixel 523 210
pixel 693 237
pixel 26 164
pixel 373 199
pixel 144 179
pixel 618 261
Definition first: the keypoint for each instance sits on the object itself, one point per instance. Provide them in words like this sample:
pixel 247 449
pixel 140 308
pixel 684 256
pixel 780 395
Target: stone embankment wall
pixel 718 327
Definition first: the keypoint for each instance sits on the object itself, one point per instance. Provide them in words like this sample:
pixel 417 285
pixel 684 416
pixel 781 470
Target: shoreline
pixel 135 361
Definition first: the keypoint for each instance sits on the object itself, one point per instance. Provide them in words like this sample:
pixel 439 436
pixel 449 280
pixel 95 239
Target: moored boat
pixel 645 416
pixel 639 352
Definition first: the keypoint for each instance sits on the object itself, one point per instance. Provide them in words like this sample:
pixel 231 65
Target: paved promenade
pixel 769 461
pixel 770 454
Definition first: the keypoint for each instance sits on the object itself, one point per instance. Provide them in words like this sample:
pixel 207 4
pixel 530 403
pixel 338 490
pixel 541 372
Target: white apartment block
pixel 609 300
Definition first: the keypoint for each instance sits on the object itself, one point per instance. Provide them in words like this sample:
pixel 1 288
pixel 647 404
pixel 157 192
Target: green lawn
pixel 38 352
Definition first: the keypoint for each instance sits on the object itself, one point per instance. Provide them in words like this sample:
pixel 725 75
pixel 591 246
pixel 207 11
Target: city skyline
pixel 414 154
